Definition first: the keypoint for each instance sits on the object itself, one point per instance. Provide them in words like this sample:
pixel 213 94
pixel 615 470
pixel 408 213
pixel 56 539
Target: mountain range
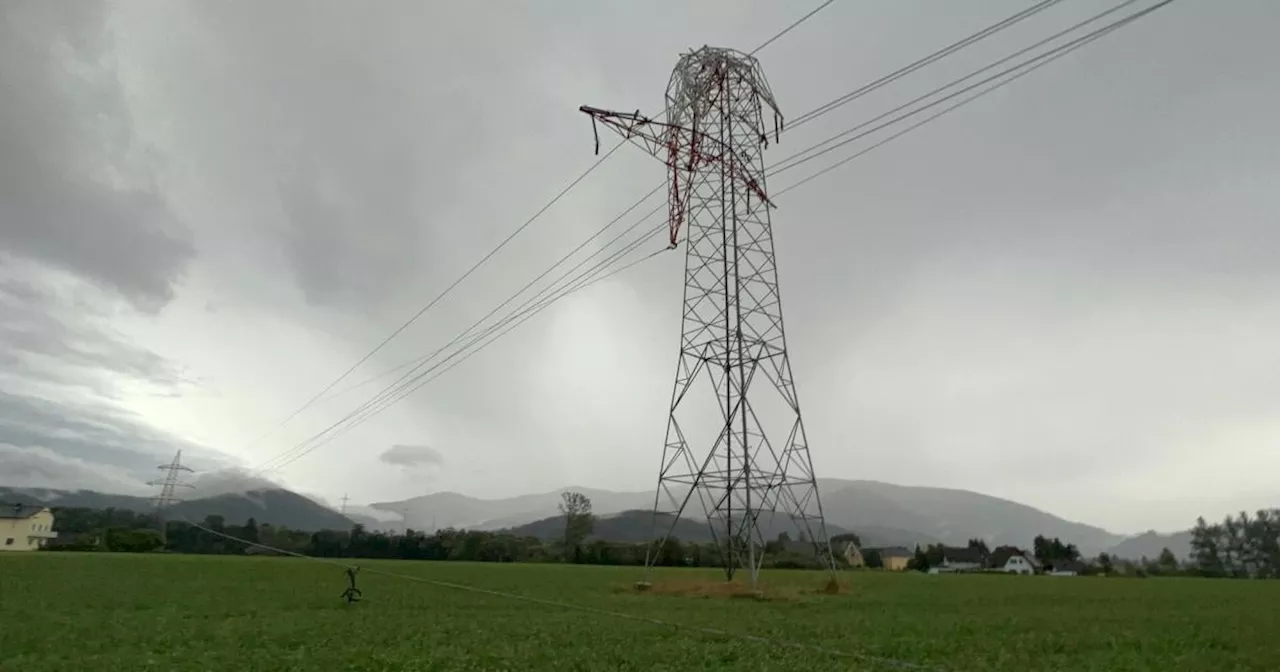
pixel 882 514
pixel 275 506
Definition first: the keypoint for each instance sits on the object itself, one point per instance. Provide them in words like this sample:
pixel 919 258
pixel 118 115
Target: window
pixel 8 542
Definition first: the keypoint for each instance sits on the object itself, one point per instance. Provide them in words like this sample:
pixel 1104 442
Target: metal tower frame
pixel 712 143
pixel 168 487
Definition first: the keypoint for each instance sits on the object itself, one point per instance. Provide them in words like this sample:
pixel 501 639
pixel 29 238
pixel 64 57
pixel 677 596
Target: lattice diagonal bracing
pixel 733 380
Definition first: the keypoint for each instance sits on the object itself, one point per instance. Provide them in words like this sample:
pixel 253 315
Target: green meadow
pixel 66 611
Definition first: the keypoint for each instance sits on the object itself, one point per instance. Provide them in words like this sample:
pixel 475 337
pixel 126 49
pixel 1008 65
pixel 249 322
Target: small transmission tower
pixel 755 457
pixel 168 487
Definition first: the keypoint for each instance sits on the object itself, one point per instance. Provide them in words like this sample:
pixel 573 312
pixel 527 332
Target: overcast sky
pixel 1066 293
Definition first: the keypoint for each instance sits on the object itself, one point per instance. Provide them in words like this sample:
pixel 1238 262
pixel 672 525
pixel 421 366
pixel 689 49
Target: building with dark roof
pixel 25 527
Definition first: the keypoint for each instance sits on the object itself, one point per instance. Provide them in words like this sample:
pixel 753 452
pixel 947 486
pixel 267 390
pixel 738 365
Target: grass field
pixel 179 613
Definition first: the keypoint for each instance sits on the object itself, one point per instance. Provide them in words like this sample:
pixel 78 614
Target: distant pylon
pixel 343 510
pixel 168 486
pixel 754 458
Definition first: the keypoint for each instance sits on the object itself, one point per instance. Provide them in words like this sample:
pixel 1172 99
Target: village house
pixel 957 559
pixel 25 527
pixel 1013 560
pixel 1067 568
pixel 853 555
pixel 895 558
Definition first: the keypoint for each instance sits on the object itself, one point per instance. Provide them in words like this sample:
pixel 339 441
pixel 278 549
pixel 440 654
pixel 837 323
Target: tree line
pixel 1241 546
pixel 118 530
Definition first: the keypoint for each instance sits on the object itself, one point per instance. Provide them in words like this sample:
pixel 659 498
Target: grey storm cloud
pixel 88 432
pixel 412 456
pixel 353 147
pixel 75 192
pixel 39 467
pixel 63 366
pixel 71 338
pixel 1063 293
pixel 64 339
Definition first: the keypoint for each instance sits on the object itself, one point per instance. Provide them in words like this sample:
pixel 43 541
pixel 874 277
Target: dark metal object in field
pixel 352 594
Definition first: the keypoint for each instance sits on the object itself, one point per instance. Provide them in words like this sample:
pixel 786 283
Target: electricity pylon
pixel 168 488
pixel 732 337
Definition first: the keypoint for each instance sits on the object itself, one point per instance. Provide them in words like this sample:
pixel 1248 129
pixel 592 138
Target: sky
pixel 1065 294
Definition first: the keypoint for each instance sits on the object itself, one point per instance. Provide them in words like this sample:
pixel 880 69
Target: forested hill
pixel 636 526
pixel 277 507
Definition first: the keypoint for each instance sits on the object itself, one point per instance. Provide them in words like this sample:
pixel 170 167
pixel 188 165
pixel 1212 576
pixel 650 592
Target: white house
pixel 1013 561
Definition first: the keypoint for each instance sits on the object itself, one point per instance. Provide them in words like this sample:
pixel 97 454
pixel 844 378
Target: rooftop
pixel 969 555
pixel 19 511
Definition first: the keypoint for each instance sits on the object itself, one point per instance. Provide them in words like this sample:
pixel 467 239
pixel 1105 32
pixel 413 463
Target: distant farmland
pixel 185 613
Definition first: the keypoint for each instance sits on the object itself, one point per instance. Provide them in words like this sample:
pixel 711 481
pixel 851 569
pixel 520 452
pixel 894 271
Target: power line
pixel 1089 38
pixel 791 161
pixel 431 304
pixel 802 119
pixel 410 382
pixel 791 27
pixel 827 107
pixel 420 362
pixel 483 260
pixel 396 391
pixel 532 282
pixel 916 65
pixel 1043 59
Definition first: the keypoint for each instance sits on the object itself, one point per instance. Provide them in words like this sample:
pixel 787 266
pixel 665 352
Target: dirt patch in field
pixel 739 589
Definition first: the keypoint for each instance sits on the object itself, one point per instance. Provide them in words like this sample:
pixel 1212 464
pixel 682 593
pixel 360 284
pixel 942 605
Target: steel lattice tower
pixel 169 486
pixel 732 338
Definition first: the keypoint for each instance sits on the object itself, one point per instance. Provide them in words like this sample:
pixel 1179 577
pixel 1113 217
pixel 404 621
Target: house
pixel 894 558
pixel 955 559
pixel 1067 568
pixel 25 527
pixel 1013 560
pixel 853 555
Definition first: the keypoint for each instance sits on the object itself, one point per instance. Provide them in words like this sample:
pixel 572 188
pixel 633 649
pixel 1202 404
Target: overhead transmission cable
pixel 827 107
pixel 1066 49
pixel 483 260
pixel 440 296
pixel 816 112
pixel 321 394
pixel 897 663
pixel 413 380
pixel 918 64
pixel 812 152
pixel 396 391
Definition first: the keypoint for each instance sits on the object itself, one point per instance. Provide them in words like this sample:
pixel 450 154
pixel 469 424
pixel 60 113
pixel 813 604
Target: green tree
pixel 1105 563
pixel 1048 551
pixel 133 541
pixel 873 559
pixel 1041 549
pixel 578 521
pixel 1167 562
pixel 250 531
pixel 920 561
pixel 1206 548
